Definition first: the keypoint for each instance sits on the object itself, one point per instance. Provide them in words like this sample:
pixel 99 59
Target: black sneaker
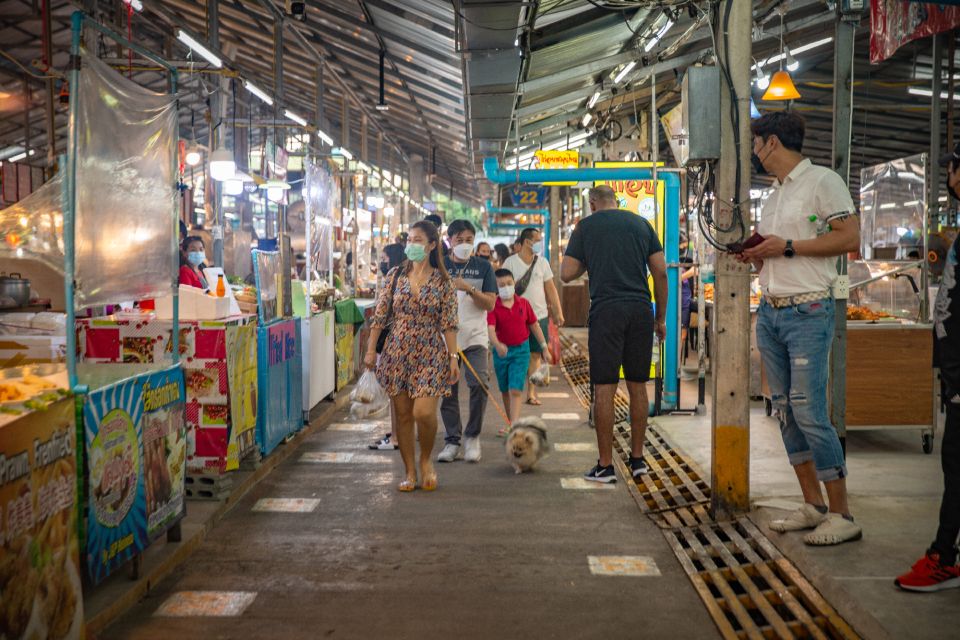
pixel 605 475
pixel 638 467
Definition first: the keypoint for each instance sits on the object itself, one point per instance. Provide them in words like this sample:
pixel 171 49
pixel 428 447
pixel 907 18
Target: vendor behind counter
pixel 193 258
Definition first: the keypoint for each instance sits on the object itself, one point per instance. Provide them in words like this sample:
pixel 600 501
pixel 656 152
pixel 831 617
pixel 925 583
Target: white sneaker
pixel 471 450
pixel 449 453
pixel 806 517
pixel 834 530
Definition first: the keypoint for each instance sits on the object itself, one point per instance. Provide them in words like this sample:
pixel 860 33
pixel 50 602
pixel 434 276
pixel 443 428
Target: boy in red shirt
pixel 509 325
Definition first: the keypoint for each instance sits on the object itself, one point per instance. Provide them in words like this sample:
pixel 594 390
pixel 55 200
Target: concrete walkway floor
pixel 489 555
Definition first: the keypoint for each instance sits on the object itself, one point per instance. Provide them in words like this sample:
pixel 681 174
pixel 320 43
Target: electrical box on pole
pixel 699 97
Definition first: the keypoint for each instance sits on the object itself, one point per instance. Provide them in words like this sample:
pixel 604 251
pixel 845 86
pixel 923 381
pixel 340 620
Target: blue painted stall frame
pixel 495 174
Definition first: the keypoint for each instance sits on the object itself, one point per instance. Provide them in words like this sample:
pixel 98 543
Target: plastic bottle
pixel 656 350
pixel 221 287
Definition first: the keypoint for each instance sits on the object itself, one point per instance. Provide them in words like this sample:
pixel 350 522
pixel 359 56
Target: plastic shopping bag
pixel 367 411
pixel 368 390
pixel 541 377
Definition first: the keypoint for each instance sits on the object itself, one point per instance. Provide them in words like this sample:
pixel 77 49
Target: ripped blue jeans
pixel 795 345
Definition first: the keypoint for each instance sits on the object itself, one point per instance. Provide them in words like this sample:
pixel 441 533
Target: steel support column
pixel 216 135
pixel 844 38
pixel 730 471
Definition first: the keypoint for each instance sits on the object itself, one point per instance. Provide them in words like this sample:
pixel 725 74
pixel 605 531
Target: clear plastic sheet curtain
pixel 322 198
pixel 892 204
pixel 125 188
pixel 33 227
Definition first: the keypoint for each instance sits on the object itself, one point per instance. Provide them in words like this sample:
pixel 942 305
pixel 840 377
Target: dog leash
pixel 503 414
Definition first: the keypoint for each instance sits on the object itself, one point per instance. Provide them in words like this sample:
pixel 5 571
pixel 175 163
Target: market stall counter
pixel 220 373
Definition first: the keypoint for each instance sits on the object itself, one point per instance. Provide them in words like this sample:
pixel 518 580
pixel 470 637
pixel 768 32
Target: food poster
pixel 280 397
pixel 640 197
pixel 135 445
pixel 242 377
pixel 164 449
pixel 40 588
pixel 144 341
pixel 343 347
pixel 208 408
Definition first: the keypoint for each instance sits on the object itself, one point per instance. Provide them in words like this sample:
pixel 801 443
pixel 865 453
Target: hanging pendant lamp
pixel 781 87
pixel 781 84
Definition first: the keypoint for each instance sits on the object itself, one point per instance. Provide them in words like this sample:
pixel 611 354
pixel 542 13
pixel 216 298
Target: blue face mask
pixel 415 252
pixel 196 258
pixel 537 247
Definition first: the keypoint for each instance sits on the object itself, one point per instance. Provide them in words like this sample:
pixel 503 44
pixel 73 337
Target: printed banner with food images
pixel 136 448
pixel 40 588
pixel 242 375
pixel 164 449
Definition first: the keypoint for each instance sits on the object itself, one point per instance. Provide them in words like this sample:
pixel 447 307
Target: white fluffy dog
pixel 526 443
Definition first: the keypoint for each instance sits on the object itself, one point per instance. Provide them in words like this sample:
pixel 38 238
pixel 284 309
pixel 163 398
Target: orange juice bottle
pixel 221 287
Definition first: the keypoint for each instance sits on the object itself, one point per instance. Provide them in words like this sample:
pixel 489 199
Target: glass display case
pixel 883 290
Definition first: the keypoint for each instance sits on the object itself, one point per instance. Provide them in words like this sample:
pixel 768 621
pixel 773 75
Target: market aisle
pixel 490 554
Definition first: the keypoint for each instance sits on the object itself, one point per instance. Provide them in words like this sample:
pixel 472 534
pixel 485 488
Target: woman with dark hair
pixel 192 261
pixel 419 359
pixel 503 252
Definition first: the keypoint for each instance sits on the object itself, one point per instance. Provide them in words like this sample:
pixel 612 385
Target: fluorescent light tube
pixel 340 151
pixel 586 119
pixel 291 115
pixel 199 49
pixel 257 91
pixel 323 136
pixel 662 32
pixel 623 72
pixel 593 99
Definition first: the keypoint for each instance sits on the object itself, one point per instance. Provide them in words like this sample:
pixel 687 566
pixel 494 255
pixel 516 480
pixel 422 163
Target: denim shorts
pixel 794 343
pixel 511 369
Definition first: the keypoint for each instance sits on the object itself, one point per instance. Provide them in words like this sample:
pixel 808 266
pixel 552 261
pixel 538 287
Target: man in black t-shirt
pixel 618 249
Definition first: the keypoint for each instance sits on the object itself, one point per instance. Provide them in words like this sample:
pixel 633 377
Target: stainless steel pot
pixel 16 287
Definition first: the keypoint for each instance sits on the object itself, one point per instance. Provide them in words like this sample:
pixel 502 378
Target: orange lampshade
pixel 781 87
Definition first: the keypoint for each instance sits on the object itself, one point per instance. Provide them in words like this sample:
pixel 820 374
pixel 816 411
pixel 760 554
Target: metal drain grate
pixel 749 588
pixel 673 481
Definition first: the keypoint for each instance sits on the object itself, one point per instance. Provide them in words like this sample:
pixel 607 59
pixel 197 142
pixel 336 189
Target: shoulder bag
pixel 382 340
pixel 524 281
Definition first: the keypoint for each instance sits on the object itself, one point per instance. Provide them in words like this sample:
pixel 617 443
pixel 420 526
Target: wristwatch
pixel 789 251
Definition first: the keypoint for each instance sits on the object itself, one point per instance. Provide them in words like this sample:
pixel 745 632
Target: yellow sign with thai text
pixel 556 160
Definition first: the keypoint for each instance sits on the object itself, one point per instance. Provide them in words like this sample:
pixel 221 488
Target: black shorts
pixel 621 335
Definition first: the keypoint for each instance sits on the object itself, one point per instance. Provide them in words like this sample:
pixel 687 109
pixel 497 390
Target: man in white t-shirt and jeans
pixel 533 279
pixel 476 295
pixel 807 222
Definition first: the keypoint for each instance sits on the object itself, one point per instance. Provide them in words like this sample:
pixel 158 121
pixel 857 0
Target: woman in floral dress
pixel 419 359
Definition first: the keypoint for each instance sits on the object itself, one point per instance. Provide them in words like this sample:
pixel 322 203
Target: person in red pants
pixel 937 569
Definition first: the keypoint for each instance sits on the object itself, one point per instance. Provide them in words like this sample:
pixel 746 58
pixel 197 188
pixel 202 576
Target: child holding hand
pixel 509 325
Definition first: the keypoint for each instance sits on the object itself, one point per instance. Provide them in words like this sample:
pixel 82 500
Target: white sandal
pixel 834 530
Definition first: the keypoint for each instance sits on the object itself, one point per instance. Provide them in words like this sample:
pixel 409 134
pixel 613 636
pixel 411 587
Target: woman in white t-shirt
pixel 534 281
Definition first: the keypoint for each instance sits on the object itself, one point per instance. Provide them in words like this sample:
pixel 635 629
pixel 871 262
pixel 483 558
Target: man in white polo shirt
pixel 807 222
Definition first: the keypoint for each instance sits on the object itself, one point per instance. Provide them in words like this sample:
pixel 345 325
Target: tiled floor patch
pixel 349 426
pixel 218 604
pixel 575 446
pixel 580 483
pixel 637 566
pixel 561 416
pixel 286 505
pixel 326 456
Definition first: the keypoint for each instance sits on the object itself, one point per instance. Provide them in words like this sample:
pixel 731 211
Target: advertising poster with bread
pixel 40 588
pixel 136 447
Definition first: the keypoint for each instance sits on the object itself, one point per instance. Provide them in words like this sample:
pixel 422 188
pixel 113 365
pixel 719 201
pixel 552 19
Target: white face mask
pixel 462 251
pixel 537 247
pixel 506 292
